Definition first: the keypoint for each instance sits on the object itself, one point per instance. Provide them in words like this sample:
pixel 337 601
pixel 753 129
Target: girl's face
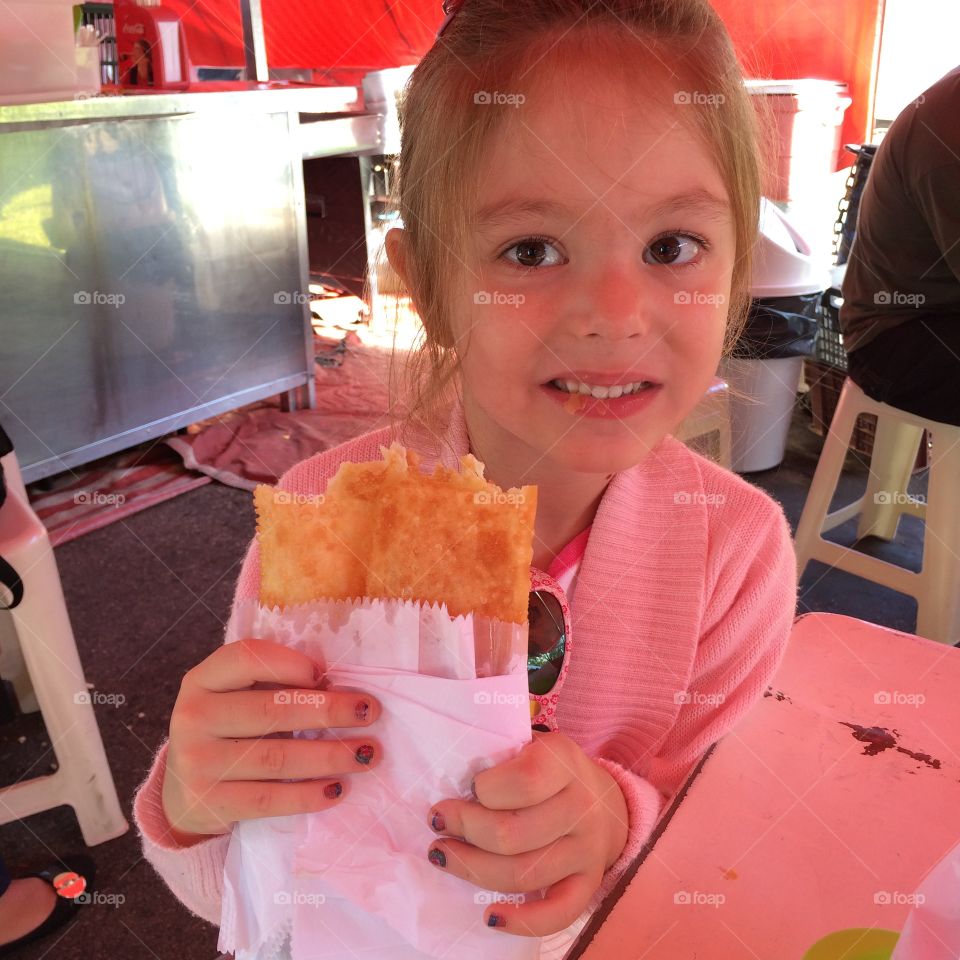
pixel 612 266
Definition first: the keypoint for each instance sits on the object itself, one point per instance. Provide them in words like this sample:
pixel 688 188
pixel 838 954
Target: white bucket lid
pixel 809 90
pixel 782 265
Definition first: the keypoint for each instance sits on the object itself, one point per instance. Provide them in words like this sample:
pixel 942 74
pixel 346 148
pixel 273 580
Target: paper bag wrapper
pixel 354 880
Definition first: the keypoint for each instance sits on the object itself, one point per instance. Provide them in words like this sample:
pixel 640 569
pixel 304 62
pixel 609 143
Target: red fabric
pixel 823 39
pixel 343 39
pixel 342 36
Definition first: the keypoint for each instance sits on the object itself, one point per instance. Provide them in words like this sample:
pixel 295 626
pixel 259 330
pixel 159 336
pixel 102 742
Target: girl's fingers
pixel 539 771
pixel 247 800
pixel 519 874
pixel 255 713
pixel 239 665
pixel 289 759
pixel 211 786
pixel 219 706
pixel 507 832
pixel 564 902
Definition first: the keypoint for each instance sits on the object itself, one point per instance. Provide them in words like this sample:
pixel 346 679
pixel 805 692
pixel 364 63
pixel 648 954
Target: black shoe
pixel 72 880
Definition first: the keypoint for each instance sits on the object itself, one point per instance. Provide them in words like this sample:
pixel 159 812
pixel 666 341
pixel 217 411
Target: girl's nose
pixel 619 302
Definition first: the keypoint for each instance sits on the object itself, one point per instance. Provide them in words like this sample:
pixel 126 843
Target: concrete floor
pixel 148 598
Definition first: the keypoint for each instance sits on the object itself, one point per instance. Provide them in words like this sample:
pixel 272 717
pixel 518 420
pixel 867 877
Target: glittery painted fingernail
pixel 437 857
pixel 437 822
pixel 333 790
pixel 364 754
pixel 495 920
pixel 363 708
pixel 473 789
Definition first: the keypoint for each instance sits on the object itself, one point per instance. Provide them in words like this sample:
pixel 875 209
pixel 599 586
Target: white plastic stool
pixel 38 654
pixel 711 415
pixel 937 586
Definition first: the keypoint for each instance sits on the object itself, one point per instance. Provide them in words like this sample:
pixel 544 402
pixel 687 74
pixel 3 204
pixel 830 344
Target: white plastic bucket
pixel 760 421
pixel 807 115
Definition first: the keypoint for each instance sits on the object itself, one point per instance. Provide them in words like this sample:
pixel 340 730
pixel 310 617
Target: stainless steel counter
pixel 153 262
pixel 314 100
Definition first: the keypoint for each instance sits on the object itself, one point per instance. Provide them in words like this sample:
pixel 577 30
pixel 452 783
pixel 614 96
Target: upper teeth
pixel 600 393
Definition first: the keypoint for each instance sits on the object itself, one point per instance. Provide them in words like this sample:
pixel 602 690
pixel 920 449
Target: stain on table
pixel 779 694
pixel 878 739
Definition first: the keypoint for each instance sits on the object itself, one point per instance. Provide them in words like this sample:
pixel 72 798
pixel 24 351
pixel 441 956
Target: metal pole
pixel 254 47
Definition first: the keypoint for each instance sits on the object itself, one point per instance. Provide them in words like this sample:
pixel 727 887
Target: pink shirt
pixel 686 592
pixel 566 564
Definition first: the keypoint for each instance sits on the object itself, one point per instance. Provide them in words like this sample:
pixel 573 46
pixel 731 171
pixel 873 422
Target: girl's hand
pixel 549 817
pixel 223 764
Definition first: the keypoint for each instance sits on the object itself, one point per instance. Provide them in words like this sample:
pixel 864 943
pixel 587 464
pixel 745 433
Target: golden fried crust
pixel 386 529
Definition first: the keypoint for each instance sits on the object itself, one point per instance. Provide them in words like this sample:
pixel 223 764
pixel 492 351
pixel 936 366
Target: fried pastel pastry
pixel 385 529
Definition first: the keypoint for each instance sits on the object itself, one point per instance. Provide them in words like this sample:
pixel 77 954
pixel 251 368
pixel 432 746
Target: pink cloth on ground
pixel 675 595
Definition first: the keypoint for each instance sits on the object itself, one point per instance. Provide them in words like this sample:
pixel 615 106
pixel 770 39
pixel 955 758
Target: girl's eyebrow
pixel 513 209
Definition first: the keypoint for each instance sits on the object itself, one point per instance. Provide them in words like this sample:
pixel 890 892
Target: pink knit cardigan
pixel 685 599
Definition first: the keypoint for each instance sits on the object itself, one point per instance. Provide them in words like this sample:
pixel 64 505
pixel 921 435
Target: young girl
pixel 579 193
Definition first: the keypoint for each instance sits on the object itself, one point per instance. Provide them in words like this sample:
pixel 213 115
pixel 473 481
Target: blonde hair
pixel 491 46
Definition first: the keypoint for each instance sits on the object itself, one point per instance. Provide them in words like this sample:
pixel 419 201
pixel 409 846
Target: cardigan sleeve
pixel 193 873
pixel 644 805
pixel 751 600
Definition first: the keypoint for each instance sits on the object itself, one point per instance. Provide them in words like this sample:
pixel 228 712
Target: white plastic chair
pixel 38 654
pixel 936 587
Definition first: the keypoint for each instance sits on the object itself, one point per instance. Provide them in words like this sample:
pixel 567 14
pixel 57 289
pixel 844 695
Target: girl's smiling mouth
pixel 597 395
pixel 600 392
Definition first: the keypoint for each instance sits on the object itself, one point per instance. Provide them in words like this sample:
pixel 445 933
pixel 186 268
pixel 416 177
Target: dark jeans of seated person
pixel 914 366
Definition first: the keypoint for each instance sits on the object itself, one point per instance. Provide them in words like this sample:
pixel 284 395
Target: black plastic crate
pixel 829 347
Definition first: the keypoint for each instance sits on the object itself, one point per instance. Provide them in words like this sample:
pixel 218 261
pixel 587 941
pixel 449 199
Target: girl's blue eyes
pixel 673 249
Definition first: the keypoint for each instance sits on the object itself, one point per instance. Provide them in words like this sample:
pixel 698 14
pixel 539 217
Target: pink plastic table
pixel 822 810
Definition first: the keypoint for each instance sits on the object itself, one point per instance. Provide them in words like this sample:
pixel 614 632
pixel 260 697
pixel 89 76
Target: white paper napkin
pixel 354 881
